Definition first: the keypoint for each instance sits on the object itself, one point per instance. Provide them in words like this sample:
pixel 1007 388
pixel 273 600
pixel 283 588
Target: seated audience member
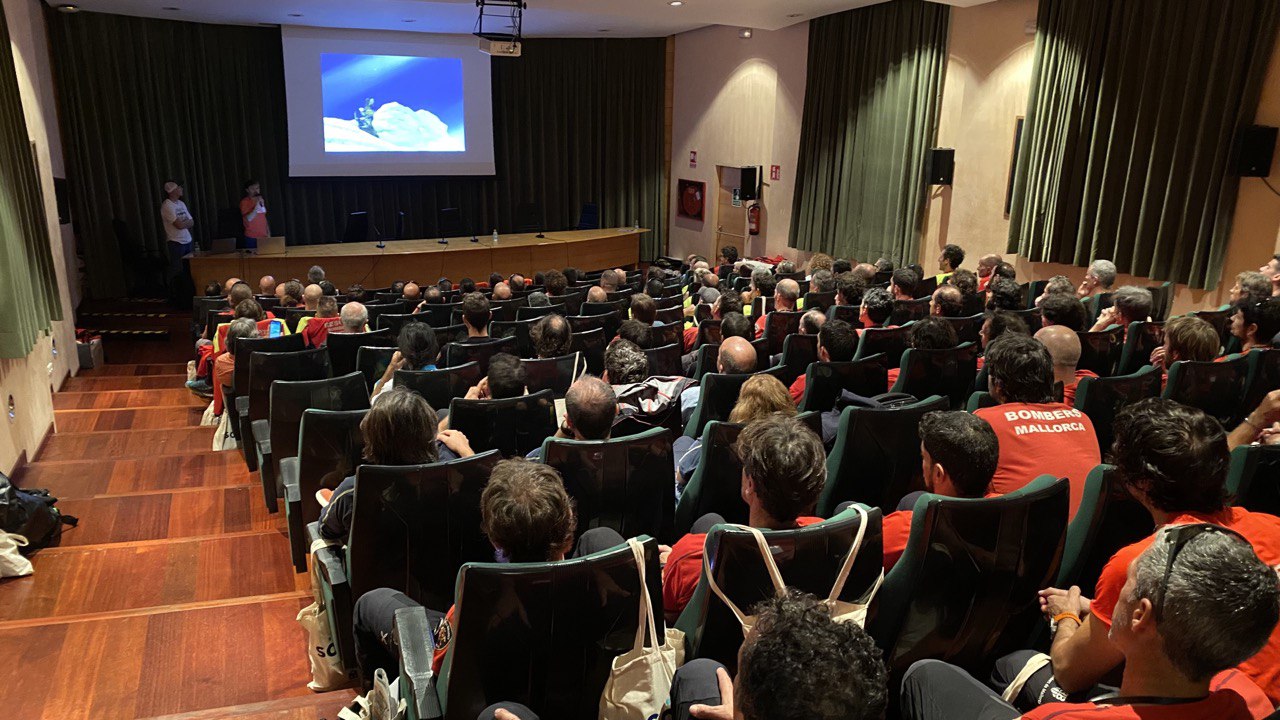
pixel 466 286
pixel 597 294
pixel 213 289
pixel 551 336
pixel 841 265
pixel 1186 337
pixel 516 282
pixel 538 299
pixel 225 364
pixel 735 324
pixel 724 304
pixel 1256 324
pixel 1250 283
pixel 1064 347
pixel 317 329
pixel 1098 279
pixel 624 363
pixel 1260 425
pixel 866 272
pixel 786 267
pixel 1063 309
pixel 528 517
pixel 590 409
pixel 877 307
pixel 475 317
pixel 315 275
pixel 400 429
pixel 646 398
pixel 997 324
pixel 431 295
pixel 729 255
pixel 1057 284
pixel 292 294
pixel 1190 606
pixel 849 290
pixel 818 262
pixel 884 265
pixel 737 357
pixel 311 296
pixel 1038 436
pixel 837 342
pixel 947 302
pixel 328 288
pixel 783 469
pixel 501 292
pixel 416 349
pixel 811 322
pixel 763 284
pixel 494 279
pixel 555 283
pixel 397 287
pixel 268 326
pixel 411 293
pixel 644 310
pixel 972 298
pixel 445 285
pixel 959 453
pixel 987 265
pixel 571 275
pixel 710 289
pixel 639 333
pixel 266 285
pixel 761 395
pixel 506 379
pixel 786 296
pixel 949 261
pixel 230 283
pixel 1173 459
pixel 654 288
pixel 903 284
pixel 928 333
pixel 1271 271
pixel 1004 294
pixel 823 280
pixel 355 319
pixel 1129 304
pixel 609 281
pixel 356 293
pixel 1006 271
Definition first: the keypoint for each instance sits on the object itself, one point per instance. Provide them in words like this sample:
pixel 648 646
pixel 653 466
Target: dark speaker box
pixel 940 166
pixel 1256 148
pixel 750 183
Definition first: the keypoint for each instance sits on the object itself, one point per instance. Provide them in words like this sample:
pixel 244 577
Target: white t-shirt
pixel 171 210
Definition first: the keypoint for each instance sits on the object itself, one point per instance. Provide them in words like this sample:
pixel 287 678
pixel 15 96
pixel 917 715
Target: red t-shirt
pixel 684 567
pixel 690 337
pixel 1260 529
pixel 892 377
pixel 257 227
pixel 316 332
pixel 797 389
pixel 1042 439
pixel 983 282
pixel 760 326
pixel 1231 697
pixel 1069 391
pixel 897 530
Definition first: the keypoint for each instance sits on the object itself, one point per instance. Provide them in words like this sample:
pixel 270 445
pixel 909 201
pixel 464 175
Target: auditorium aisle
pixel 175 596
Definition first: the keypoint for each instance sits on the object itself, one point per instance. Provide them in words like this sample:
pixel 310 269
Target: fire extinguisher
pixel 753 218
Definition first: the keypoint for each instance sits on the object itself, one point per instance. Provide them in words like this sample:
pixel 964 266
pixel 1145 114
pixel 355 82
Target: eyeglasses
pixel 1178 538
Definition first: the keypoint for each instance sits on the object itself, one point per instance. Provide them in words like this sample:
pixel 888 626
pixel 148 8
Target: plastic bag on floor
pixel 12 564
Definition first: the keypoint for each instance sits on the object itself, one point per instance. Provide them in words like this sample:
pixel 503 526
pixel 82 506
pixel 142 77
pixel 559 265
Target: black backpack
pixel 31 514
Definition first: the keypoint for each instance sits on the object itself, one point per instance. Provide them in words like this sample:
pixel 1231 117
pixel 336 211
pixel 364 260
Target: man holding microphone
pixel 253 211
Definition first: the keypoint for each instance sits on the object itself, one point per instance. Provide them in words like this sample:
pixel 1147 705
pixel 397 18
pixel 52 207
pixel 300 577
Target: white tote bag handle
pixel 779 586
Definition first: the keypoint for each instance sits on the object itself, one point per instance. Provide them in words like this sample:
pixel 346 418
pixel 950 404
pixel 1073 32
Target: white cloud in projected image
pixel 389 103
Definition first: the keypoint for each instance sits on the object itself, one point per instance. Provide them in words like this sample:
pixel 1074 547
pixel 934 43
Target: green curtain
pixel 1132 116
pixel 28 281
pixel 146 100
pixel 870 113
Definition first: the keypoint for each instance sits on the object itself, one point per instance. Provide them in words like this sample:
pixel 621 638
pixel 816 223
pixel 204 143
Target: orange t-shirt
pixel 797 389
pixel 1042 439
pixel 316 332
pixel 257 227
pixel 1232 696
pixel 1260 529
pixel 689 338
pixel 897 530
pixel 1069 391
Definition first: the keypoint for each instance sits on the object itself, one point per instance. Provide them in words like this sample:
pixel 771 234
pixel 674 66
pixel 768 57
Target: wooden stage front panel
pixel 425 261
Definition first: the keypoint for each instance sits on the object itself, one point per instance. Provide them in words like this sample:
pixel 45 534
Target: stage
pixel 426 261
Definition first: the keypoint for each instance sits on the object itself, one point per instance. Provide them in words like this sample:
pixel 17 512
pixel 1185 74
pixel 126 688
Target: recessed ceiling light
pixel 744 33
pixel 68 8
pixel 603 30
pixel 676 3
pixel 795 15
pixel 409 20
pixel 295 14
pixel 171 8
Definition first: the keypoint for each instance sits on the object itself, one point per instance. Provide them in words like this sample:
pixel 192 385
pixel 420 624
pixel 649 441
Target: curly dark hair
pixel 1065 310
pixel 555 282
pixel 879 305
pixel 1022 367
pixel 799 663
pixel 1175 454
pixel 526 511
pixel 954 255
pixel 1006 294
pixel 933 333
pixel 786 463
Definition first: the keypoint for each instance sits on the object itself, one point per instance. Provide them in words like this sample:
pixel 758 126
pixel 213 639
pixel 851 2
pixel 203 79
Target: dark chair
pixel 1141 339
pixel 461 353
pixel 555 374
pixel 583 323
pixel 979 400
pixel 1107 520
pixel 668 334
pixel 876 456
pixel 905 311
pixel 1031 317
pixel 968 329
pixel 670 301
pixel 393 308
pixel 440 387
pixel 591 344
pixel 624 483
pixel 740 283
pixel 926 286
pixel 450 334
pixel 1035 289
pixel 777 326
pixel 702 312
pixel 965 589
pixel 603 308
pixel 518 329
pixel 975 304
pixel 949 373
pixel 533 313
pixel 343 347
pixel 719 394
pixel 1220 319
pixel 439 314
pixel 372 363
pixel 1264 376
pixel 890 342
pixel 264 369
pixel 330 448
pixel 513 426
pixel 1102 398
pixel 798 351
pixel 670 315
pixel 293 315
pixel 1161 301
pixel 1253 481
pixel 819 300
pixel 1218 388
pixel 665 360
pixel 810 559
pixel 544 635
pixel 847 313
pixel 706 360
pixel 761 306
pixel 572 302
pixel 1094 305
pixel 394 323
pixel 1100 351
pixel 825 381
pixel 276 438
pixel 412 527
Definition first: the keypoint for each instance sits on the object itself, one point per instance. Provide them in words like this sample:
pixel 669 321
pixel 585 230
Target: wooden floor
pixel 175 596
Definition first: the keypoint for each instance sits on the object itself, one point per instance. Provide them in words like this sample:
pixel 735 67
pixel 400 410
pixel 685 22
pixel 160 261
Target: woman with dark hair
pixel 253 211
pixel 417 350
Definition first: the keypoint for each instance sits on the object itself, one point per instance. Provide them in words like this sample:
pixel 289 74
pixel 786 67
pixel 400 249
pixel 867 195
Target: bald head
pixel 412 291
pixel 502 291
pixel 710 280
pixel 737 356
pixel 267 285
pixel 988 263
pixel 591 406
pixel 230 283
pixel 786 294
pixel 597 294
pixel 354 317
pixel 311 296
pixel 1063 345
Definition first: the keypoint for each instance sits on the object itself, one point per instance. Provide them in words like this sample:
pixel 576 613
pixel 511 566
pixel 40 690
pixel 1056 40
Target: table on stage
pixel 425 261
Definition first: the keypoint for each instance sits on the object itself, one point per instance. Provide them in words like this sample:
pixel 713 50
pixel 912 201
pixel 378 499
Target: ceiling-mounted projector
pixel 500 48
pixel 498 26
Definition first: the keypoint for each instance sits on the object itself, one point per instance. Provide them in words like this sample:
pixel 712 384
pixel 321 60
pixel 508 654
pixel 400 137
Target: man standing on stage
pixel 177 229
pixel 253 210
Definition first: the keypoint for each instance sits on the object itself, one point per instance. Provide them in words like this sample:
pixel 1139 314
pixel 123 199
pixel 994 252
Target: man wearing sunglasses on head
pixel 1173 459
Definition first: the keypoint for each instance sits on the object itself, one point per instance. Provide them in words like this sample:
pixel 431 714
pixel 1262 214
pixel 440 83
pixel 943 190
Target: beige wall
pixel 986 86
pixel 737 102
pixel 31 380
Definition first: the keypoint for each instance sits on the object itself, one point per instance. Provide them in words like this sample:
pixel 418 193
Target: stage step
pixel 194 512
pixel 128 399
pixel 70 421
pixel 118 444
pixel 87 478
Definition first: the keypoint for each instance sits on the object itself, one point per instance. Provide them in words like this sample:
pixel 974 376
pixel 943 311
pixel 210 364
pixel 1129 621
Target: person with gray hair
pixel 590 410
pixel 355 319
pixel 1252 284
pixel 538 298
pixel 315 275
pixel 811 322
pixel 647 398
pixel 1099 278
pixel 1057 284
pixel 625 363
pixel 1130 304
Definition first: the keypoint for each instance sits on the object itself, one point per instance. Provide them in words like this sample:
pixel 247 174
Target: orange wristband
pixel 1067 615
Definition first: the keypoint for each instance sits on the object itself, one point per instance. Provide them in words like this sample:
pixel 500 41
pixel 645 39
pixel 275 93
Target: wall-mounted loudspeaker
pixel 750 183
pixel 940 166
pixel 1255 149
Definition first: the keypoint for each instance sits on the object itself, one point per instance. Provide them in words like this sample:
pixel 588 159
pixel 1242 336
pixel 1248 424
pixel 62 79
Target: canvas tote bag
pixel 640 680
pixel 326 667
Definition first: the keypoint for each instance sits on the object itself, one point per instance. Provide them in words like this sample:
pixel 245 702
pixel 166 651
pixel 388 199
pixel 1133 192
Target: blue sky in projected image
pixel 420 83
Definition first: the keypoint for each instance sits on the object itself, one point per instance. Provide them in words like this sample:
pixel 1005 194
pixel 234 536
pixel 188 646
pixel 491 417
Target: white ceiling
pixel 548 18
